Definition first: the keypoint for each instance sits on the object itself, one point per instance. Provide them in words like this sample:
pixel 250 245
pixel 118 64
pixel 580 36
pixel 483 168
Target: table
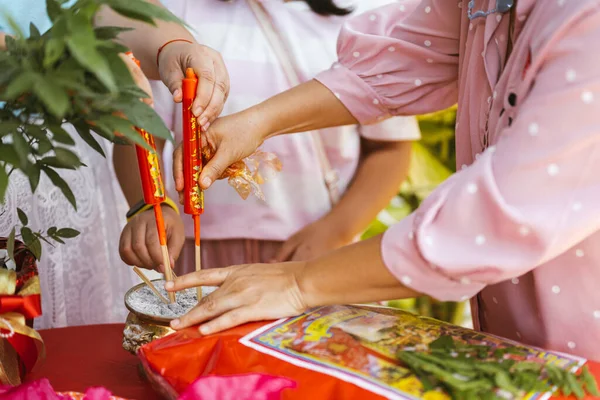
pixel 81 357
pixel 75 364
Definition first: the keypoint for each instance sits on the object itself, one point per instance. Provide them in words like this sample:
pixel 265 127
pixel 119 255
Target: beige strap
pixel 330 175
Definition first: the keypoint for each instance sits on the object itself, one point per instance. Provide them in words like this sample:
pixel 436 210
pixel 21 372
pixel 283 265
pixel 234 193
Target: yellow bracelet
pixel 145 207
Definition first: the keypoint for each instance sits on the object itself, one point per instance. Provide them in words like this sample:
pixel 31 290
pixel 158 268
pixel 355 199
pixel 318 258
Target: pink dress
pixel 236 231
pixel 517 228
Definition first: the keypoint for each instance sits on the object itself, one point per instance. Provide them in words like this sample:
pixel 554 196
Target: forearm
pixel 383 167
pixel 350 275
pixel 126 169
pixel 306 107
pixel 145 39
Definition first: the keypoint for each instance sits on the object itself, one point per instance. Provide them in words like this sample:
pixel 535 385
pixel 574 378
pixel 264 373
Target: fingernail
pixel 203 121
pixel 206 182
pixel 175 323
pixel 205 126
pixel 204 330
pixel 197 111
pixel 169 285
pixel 176 93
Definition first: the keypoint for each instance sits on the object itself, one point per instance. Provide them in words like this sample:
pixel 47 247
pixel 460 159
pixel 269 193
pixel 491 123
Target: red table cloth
pixel 86 356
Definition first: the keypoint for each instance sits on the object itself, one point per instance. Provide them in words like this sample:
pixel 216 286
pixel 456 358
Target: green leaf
pixel 53 96
pixel 33 173
pixel 7 127
pixel 33 31
pixel 22 216
pixel 109 32
pixel 82 44
pixel 443 342
pixel 22 148
pixel 20 85
pixel 60 135
pixel 68 157
pixel 32 242
pixel 590 382
pixel 44 146
pixel 8 154
pixel 53 10
pixel 51 231
pixel 67 233
pixel 3 183
pixel 10 244
pixel 143 116
pixel 61 184
pixel 576 386
pixel 84 133
pixel 143 11
pixel 54 49
pixel 57 239
pixel 118 67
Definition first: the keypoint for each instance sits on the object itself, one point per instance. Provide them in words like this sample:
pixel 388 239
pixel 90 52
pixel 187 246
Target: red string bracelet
pixel 165 45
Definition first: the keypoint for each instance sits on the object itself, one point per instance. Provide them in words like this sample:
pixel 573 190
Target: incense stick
pixel 150 284
pixel 198 255
pixel 162 236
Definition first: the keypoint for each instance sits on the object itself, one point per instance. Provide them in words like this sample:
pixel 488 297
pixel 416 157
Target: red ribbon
pixel 29 306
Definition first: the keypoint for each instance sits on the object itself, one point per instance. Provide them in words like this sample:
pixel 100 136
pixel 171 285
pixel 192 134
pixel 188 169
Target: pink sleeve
pixel 401 59
pixel 525 201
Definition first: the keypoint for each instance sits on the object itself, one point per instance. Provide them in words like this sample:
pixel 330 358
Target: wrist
pixel 340 226
pixel 309 292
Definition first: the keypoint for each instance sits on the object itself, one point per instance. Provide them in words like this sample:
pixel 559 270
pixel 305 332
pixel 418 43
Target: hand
pixel 247 293
pixel 233 138
pixel 312 241
pixel 139 78
pixel 213 79
pixel 139 244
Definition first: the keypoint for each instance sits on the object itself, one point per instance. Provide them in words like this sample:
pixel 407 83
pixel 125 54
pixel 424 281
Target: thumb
pixel 214 168
pixel 173 80
pixel 286 251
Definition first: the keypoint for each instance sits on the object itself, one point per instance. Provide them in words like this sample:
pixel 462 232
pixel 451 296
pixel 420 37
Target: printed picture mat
pixel 358 344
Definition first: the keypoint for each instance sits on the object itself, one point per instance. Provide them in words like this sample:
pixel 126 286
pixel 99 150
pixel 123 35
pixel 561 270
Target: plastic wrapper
pixel 335 352
pixel 246 176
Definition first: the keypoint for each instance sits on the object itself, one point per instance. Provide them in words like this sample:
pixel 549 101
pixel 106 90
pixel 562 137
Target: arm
pixel 405 62
pixel 145 40
pixel 369 192
pixel 535 196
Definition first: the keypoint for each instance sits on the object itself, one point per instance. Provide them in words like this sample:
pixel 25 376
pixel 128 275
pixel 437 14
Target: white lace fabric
pixel 83 282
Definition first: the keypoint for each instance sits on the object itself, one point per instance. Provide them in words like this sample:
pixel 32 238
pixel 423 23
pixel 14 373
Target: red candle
pixel 192 156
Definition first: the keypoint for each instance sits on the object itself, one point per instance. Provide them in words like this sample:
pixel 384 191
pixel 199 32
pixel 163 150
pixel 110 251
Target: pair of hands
pixel 139 243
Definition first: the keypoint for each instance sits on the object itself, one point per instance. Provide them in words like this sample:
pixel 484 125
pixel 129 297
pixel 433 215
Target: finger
pixel 173 81
pixel 228 320
pixel 287 250
pixel 153 246
pixel 175 243
pixel 178 169
pixel 219 95
pixel 205 71
pixel 138 244
pixel 209 277
pixel 209 307
pixel 138 77
pixel 125 249
pixel 215 167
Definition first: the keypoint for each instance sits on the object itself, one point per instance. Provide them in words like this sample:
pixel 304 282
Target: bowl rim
pixel 141 315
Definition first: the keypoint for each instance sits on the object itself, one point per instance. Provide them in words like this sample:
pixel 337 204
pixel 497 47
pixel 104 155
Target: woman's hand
pixel 233 137
pixel 247 293
pixel 138 77
pixel 139 244
pixel 213 78
pixel 314 240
